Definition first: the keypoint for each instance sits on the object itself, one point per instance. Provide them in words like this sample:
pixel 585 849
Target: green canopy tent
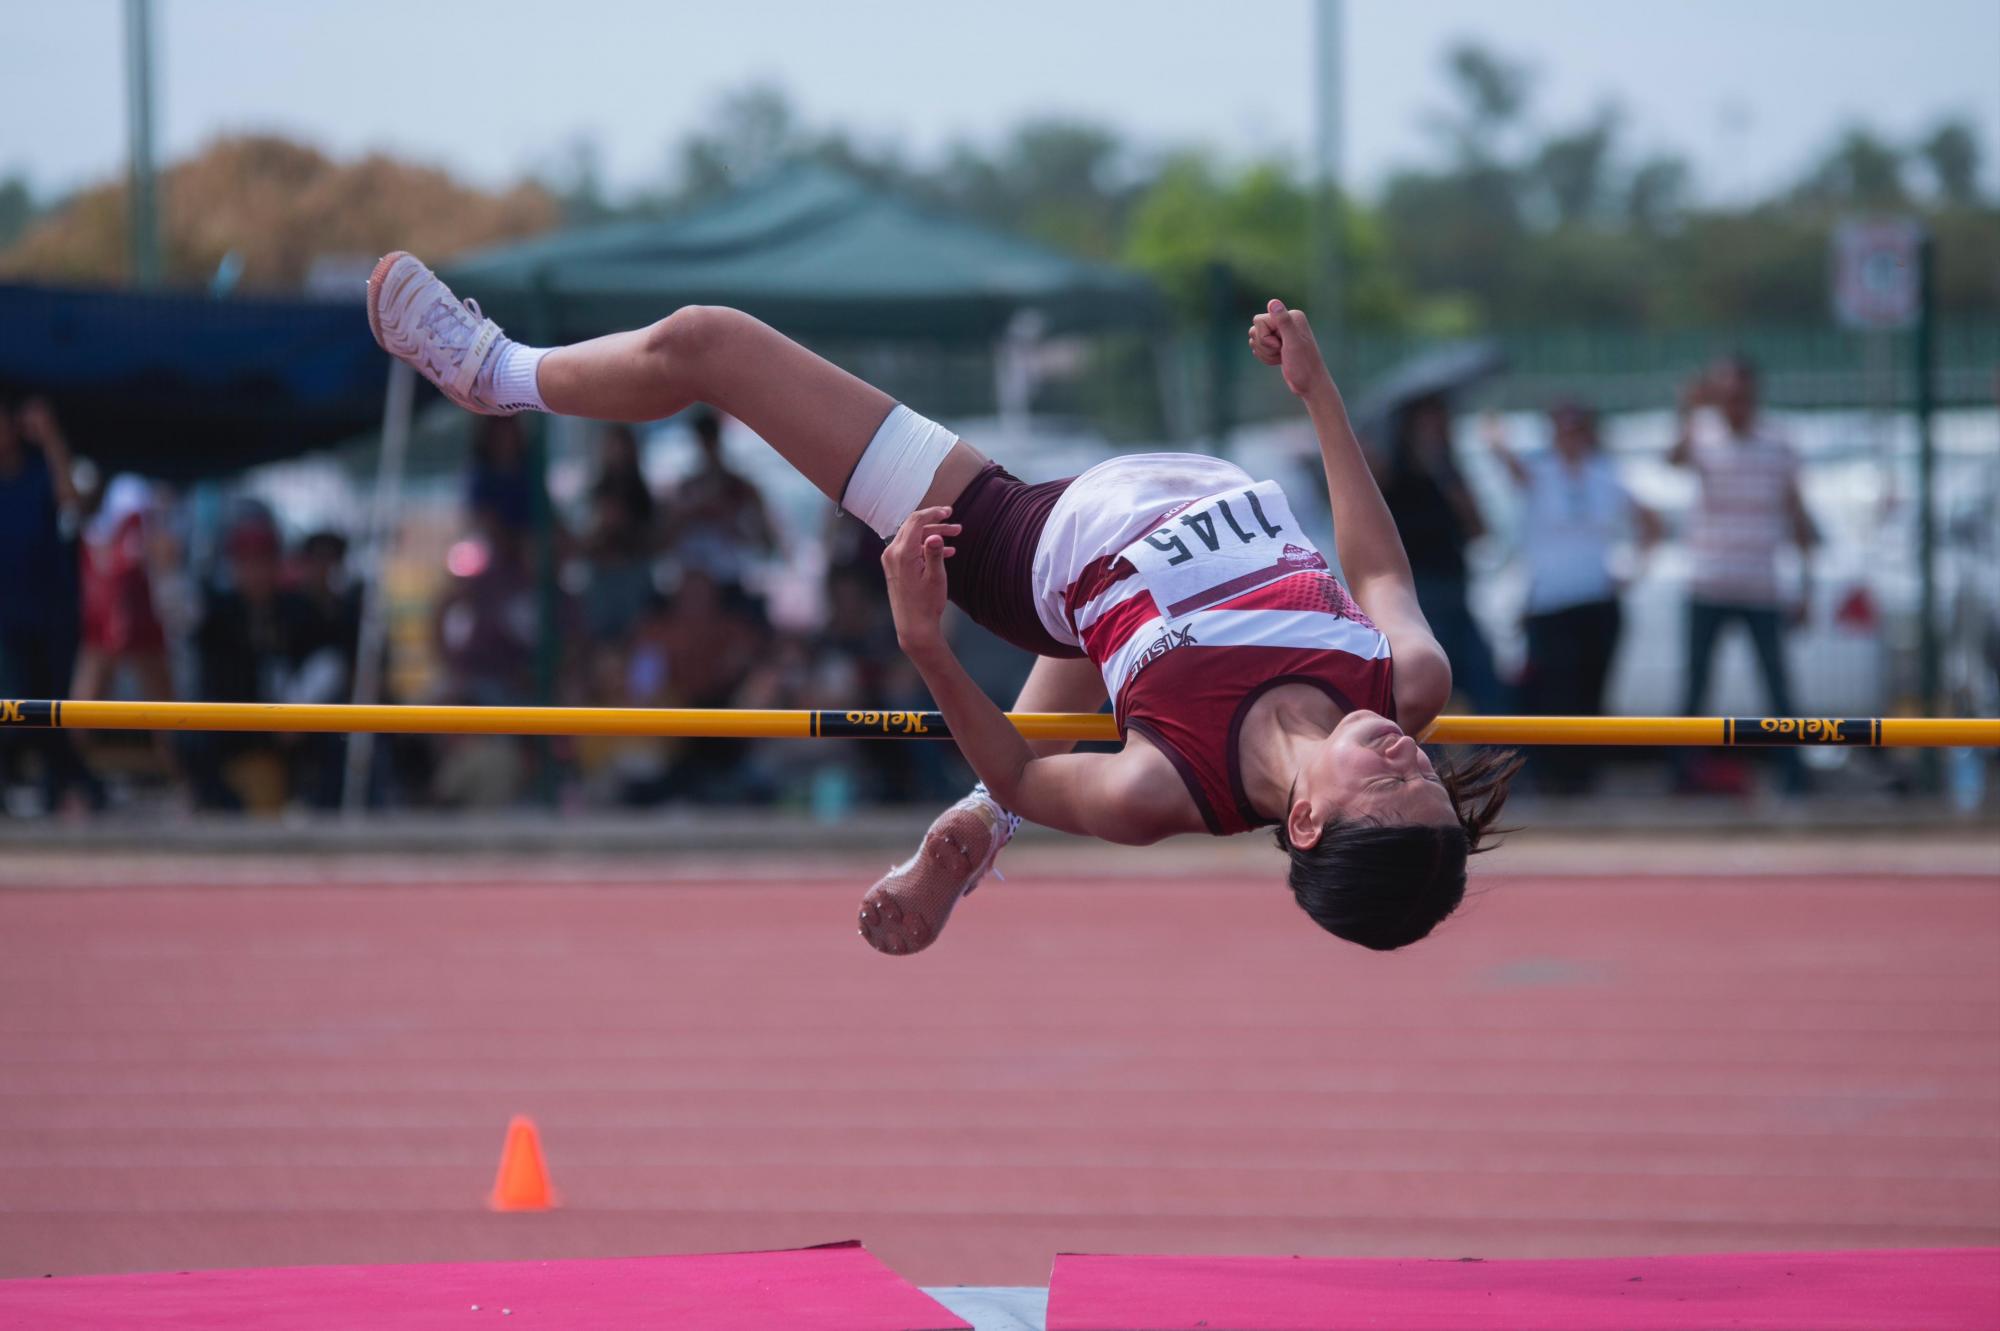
pixel 819 254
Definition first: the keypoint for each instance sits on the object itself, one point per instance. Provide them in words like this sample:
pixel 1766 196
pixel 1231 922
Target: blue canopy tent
pixel 183 387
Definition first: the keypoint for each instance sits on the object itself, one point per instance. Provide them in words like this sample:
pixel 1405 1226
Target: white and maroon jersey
pixel 1195 591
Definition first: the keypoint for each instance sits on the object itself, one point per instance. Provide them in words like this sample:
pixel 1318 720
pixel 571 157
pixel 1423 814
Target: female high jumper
pixel 1251 687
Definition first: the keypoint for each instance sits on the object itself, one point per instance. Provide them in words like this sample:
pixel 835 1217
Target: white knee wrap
pixel 890 480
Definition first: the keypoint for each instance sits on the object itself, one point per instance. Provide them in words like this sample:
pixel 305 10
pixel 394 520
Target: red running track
pixel 263 1075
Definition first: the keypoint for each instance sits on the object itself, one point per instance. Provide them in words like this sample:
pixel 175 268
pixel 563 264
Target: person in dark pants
pixel 1749 510
pixel 40 614
pixel 1575 515
pixel 1439 518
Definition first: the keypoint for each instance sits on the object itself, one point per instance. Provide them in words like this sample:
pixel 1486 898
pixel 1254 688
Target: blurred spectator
pixel 487 633
pixel 633 770
pixel 707 641
pixel 1749 508
pixel 40 618
pixel 487 626
pixel 1575 515
pixel 1438 519
pixel 614 581
pixel 618 543
pixel 713 634
pixel 858 629
pixel 718 523
pixel 486 623
pixel 502 482
pixel 330 636
pixel 621 480
pixel 122 627
pixel 244 652
pixel 322 647
pixel 855 660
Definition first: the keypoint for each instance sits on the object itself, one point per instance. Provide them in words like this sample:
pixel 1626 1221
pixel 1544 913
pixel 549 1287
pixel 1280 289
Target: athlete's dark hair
pixel 1386 885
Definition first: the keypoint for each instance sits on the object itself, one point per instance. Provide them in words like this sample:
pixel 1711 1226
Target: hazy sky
pixel 1748 89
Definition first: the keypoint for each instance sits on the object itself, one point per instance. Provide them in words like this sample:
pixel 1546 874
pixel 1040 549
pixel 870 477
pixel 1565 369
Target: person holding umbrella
pixel 1407 421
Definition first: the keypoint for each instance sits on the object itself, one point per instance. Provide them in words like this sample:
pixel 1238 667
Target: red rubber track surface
pixel 263 1075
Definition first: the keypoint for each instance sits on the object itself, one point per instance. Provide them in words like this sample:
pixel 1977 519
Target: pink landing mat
pixel 841 1286
pixel 1945 1289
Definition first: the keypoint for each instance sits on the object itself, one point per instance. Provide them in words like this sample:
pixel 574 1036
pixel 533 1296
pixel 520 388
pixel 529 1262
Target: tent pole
pixel 398 405
pixel 142 210
pixel 548 600
pixel 1328 215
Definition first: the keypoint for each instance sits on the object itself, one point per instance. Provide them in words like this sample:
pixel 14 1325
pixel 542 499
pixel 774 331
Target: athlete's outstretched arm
pixel 1090 794
pixel 1371 550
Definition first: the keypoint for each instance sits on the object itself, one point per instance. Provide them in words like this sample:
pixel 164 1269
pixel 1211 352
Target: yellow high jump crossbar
pixel 1893 732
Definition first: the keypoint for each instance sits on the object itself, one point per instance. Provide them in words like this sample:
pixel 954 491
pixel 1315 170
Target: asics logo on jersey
pixel 1166 642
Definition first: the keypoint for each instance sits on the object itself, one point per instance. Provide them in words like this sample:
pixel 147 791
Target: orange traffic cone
pixel 523 1181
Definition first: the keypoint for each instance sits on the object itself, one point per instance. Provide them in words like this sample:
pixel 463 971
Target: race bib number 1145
pixel 1221 546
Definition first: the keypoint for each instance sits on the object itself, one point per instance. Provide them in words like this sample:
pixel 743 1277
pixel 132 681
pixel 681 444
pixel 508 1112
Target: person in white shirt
pixel 1576 515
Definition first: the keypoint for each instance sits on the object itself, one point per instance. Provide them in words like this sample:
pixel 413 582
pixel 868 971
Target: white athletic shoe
pixel 417 319
pixel 906 909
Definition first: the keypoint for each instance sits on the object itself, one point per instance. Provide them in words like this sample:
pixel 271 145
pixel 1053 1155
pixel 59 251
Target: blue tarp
pixel 181 387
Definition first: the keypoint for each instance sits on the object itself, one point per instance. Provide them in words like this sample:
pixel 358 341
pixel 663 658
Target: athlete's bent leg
pixel 907 907
pixel 818 416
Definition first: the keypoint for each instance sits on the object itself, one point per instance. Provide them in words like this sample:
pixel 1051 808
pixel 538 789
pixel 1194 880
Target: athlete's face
pixel 1366 769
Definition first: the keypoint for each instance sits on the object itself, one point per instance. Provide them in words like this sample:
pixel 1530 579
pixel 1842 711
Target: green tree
pixel 1572 171
pixel 1455 230
pixel 577 182
pixel 1505 223
pixel 1861 170
pixel 1761 266
pixel 1492 93
pixel 750 131
pixel 1064 182
pixel 1656 194
pixel 1257 222
pixel 1951 151
pixel 17 208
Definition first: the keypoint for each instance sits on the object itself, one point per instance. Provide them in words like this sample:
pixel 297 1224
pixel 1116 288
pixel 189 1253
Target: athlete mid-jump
pixel 1252 687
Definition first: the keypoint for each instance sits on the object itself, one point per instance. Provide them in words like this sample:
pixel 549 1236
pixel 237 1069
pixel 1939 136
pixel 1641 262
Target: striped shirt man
pixel 1745 515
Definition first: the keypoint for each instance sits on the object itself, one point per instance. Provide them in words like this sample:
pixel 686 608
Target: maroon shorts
pixel 991 577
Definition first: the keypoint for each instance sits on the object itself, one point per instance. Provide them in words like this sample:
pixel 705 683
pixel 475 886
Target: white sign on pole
pixel 1875 278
